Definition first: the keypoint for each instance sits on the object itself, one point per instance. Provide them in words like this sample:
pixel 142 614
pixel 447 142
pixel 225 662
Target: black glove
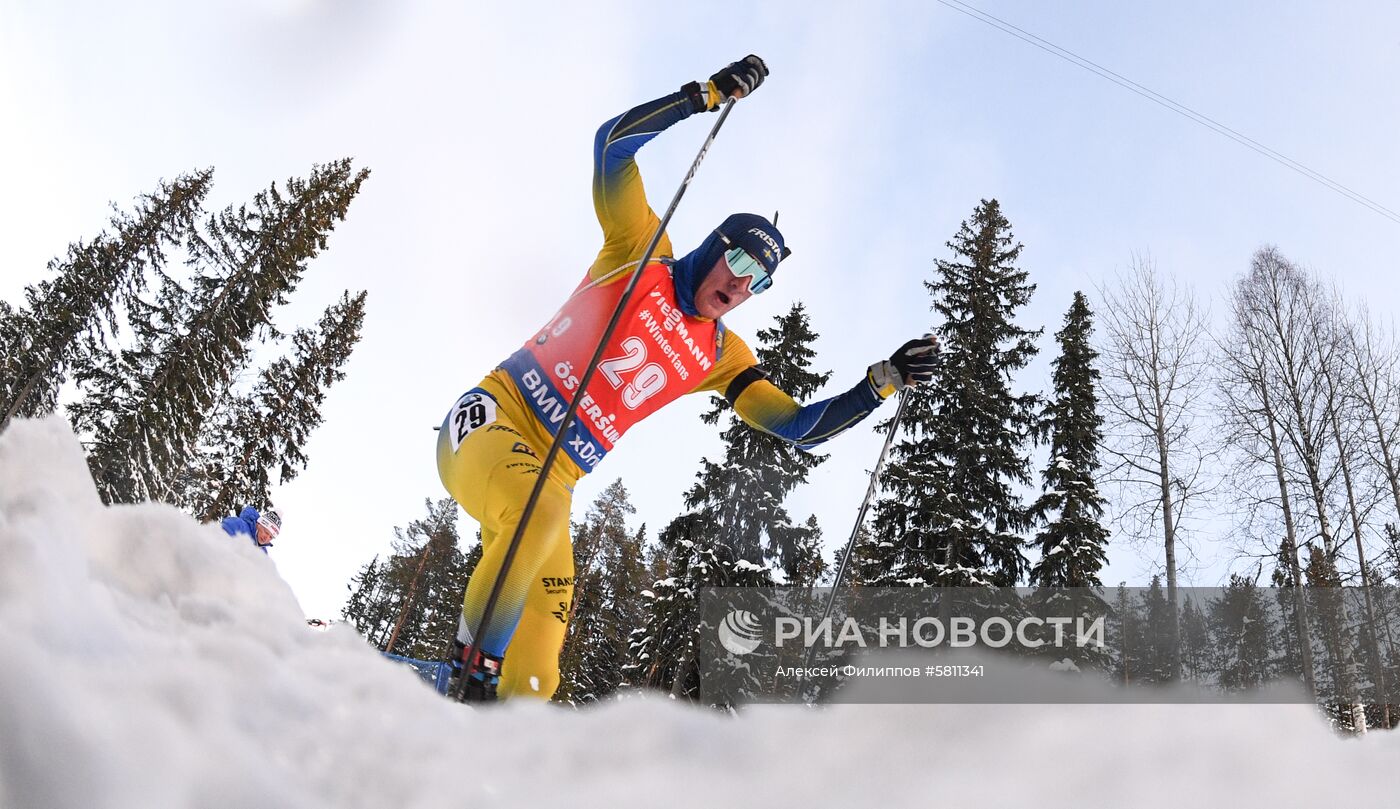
pixel 698 95
pixel 741 78
pixel 912 364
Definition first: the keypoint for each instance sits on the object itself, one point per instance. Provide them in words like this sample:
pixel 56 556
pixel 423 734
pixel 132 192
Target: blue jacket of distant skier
pixel 245 523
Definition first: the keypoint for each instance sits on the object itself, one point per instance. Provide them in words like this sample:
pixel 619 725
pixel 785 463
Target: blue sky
pixel 876 134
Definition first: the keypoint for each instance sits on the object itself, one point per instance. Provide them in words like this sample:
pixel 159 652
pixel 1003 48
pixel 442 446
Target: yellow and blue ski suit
pixel 493 439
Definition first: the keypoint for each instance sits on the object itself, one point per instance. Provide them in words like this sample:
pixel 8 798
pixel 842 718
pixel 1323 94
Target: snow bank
pixel 146 662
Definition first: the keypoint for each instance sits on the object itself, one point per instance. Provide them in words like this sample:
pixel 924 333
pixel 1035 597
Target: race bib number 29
pixel 473 411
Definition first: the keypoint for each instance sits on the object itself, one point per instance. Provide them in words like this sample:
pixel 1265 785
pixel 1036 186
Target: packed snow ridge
pixel 149 661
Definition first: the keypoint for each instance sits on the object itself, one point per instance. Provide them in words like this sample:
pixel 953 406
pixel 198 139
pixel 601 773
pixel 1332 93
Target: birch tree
pixel 1253 432
pixel 1156 364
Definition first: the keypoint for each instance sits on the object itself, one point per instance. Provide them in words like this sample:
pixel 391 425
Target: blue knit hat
pixel 750 231
pixel 759 237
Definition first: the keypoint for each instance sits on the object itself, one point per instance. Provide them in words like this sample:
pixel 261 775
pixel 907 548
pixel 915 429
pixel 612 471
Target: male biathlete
pixel 670 342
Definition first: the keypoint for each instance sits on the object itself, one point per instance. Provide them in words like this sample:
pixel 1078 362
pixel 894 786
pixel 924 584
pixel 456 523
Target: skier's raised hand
pixel 912 364
pixel 740 78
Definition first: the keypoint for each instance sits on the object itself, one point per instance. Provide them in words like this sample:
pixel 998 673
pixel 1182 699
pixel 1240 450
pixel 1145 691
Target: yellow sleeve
pixel 619 197
pixel 760 403
pixel 628 223
pixel 735 356
pixel 768 408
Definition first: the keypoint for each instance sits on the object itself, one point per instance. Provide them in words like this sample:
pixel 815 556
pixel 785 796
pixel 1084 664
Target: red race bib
pixel 656 354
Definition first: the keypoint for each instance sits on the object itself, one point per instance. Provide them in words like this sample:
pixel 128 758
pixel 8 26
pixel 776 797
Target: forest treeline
pixel 146 337
pixel 1272 431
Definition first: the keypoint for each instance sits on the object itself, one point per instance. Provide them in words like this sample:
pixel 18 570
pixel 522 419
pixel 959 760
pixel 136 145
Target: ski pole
pixel 860 517
pixel 558 443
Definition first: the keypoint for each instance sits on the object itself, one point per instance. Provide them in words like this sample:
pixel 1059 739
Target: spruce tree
pixel 870 559
pixel 663 652
pixel 1072 539
pixel 804 565
pixel 439 590
pixel 608 580
pixel 361 585
pixel 1286 601
pixel 1339 679
pixel 254 436
pixel 744 494
pixel 1244 636
pixel 368 608
pixel 657 650
pixel 75 312
pixel 1142 634
pixel 951 516
pixel 1123 635
pixel 13 334
pixel 147 406
pixel 1157 644
pixel 1196 649
pixel 736 522
pixel 408 605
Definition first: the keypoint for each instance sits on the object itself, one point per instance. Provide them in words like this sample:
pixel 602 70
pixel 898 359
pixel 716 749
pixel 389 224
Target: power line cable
pixel 1177 107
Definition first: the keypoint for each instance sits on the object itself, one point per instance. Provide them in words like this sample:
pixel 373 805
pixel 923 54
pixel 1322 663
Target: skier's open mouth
pixel 723 298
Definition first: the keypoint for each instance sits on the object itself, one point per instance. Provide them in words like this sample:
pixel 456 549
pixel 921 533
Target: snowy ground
pixel 148 662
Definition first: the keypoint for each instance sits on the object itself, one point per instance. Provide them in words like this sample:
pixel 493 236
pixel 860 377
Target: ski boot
pixel 474 674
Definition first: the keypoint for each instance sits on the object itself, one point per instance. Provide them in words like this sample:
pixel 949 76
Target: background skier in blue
pixel 261 528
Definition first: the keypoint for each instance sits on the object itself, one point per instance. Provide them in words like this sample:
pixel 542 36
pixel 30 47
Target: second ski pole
pixel 860 518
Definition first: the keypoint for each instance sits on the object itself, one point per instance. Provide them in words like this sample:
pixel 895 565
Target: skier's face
pixel 721 291
pixel 264 536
